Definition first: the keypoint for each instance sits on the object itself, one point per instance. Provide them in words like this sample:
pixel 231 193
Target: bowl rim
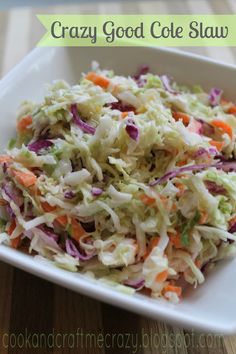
pixel 84 285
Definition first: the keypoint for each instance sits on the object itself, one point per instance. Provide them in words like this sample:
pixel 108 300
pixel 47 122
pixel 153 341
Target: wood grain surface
pixel 37 316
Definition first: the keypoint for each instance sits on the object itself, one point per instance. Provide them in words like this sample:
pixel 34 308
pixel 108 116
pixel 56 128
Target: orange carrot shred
pixel 124 115
pixel 175 239
pixel 3 202
pixel 218 144
pixel 223 101
pixel 198 263
pixel 174 289
pixel 224 127
pixel 203 217
pixel 77 230
pixel 15 242
pixel 11 227
pixel 181 163
pixel 181 116
pixel 181 188
pixel 153 243
pixel 62 220
pixel 98 80
pixel 47 207
pixel 147 200
pixel 24 123
pixel 162 276
pixel 232 221
pixel 27 179
pixel 232 110
pixel 5 158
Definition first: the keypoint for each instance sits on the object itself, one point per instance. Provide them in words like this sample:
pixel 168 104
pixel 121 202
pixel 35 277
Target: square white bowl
pixel 210 307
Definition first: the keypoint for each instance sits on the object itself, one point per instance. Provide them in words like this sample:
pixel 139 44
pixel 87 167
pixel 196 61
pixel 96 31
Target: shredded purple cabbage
pixel 72 250
pixel 122 107
pixel 215 188
pixel 132 131
pixel 48 238
pixel 69 195
pixel 29 234
pixel 167 84
pixel 143 70
pixel 85 127
pixel 206 129
pixel 13 193
pixel 38 145
pixel 136 284
pixel 10 212
pixel 202 151
pixel 213 151
pixel 225 166
pixel 49 232
pixel 214 96
pixel 96 191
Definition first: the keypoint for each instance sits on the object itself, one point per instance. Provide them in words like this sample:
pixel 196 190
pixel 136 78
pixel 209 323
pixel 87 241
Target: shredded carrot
pixel 224 127
pixel 47 207
pixel 62 220
pixel 11 227
pixel 5 158
pixel 162 276
pixel 181 163
pixel 218 144
pixel 175 239
pixel 153 243
pixel 2 202
pixel 98 80
pixel 203 217
pixel 77 230
pixel 27 179
pixel 223 101
pixel 24 123
pixel 232 221
pixel 164 200
pixel 147 200
pixel 181 188
pixel 15 242
pixel 181 116
pixel 174 207
pixel 232 110
pixel 173 289
pixel 37 191
pixel 124 115
pixel 198 263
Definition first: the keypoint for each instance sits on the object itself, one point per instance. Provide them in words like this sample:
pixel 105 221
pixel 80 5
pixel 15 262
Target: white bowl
pixel 210 307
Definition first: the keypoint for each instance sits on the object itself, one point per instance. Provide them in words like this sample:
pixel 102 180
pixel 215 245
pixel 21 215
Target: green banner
pixel 138 30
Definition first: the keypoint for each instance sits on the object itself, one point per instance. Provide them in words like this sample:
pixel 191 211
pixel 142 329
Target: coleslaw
pixel 130 180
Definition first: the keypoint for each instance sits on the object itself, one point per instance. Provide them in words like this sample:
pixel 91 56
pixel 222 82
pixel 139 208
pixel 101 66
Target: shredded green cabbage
pixel 81 184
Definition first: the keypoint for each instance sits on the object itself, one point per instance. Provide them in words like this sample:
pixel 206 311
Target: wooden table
pixel 33 312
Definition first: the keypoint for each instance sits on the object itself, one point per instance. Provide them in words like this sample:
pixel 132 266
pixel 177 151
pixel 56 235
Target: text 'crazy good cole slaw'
pixel 127 179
